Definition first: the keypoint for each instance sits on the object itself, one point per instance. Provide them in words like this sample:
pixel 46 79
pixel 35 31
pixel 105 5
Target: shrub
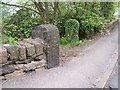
pixel 8 40
pixel 21 24
pixel 71 30
pixel 108 9
pixel 90 23
pixel 12 31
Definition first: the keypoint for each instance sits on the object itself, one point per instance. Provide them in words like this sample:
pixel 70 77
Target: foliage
pixel 87 13
pixel 90 23
pixel 108 10
pixel 73 19
pixel 12 31
pixel 4 14
pixel 10 40
pixel 21 24
pixel 71 30
pixel 64 42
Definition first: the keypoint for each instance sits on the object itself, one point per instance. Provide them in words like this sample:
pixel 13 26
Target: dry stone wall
pixel 42 50
pixel 26 56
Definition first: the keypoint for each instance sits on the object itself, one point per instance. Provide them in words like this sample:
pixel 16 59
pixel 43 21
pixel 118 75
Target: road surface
pixel 113 79
pixel 83 71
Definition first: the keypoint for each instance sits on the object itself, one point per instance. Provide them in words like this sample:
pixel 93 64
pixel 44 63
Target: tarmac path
pixel 82 71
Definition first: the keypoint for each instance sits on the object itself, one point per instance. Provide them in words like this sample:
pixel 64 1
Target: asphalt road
pixel 82 71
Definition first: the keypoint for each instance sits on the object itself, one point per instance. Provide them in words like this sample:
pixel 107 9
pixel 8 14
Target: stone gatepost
pixel 50 34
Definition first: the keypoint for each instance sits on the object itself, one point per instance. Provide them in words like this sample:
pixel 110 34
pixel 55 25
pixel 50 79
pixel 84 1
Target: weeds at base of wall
pixel 63 42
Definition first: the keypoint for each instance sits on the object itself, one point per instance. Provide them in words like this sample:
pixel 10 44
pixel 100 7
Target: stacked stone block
pixel 3 55
pixel 31 54
pixel 26 56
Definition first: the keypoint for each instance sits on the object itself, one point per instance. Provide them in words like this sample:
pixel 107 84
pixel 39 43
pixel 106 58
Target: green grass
pixel 7 40
pixel 63 42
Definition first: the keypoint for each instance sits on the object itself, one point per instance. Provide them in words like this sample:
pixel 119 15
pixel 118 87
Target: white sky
pixel 13 1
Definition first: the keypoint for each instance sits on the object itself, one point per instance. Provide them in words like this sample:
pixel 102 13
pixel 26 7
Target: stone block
pixel 38 43
pixel 13 50
pixel 22 53
pixel 19 67
pixel 8 69
pixel 29 48
pixel 13 75
pixel 38 58
pixel 2 78
pixel 38 32
pixel 28 60
pixel 3 55
pixel 41 64
pixel 33 65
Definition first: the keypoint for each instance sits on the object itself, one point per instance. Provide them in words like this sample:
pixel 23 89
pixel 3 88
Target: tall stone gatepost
pixel 50 34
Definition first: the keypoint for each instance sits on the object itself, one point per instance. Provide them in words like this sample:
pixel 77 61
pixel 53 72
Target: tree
pixel 90 15
pixel 45 10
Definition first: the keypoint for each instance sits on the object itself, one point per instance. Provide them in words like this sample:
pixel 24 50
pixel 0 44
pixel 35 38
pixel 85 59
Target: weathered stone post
pixel 50 34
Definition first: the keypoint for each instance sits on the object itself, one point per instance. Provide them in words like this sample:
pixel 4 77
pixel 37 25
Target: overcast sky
pixel 13 1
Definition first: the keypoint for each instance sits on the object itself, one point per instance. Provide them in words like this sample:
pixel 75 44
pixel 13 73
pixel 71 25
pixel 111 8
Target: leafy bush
pixel 21 24
pixel 90 23
pixel 12 41
pixel 71 30
pixel 8 40
pixel 108 9
pixel 12 31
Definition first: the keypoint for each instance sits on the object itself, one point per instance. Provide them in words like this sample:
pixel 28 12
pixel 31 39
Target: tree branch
pixel 18 6
pixel 46 12
pixel 55 9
